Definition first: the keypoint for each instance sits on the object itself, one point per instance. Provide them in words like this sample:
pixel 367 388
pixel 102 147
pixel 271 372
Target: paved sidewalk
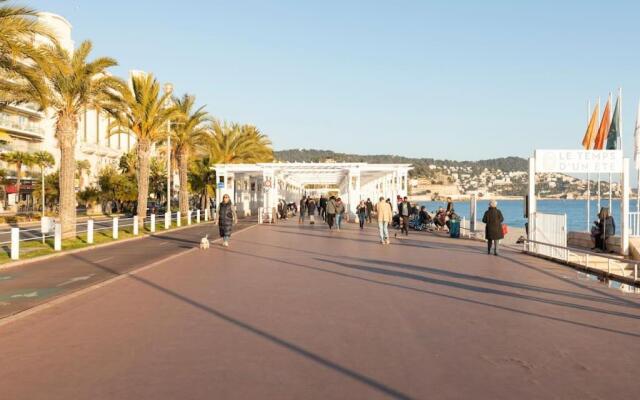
pixel 24 286
pixel 297 312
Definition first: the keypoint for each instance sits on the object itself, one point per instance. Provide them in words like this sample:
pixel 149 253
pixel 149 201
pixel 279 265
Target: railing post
pixel 135 225
pixel 189 217
pixel 114 228
pixel 57 237
pixel 259 215
pixel 167 220
pixel 608 265
pixel 635 272
pixel 152 228
pixel 15 243
pixel 90 231
pixel 178 222
pixel 206 215
pixel 198 216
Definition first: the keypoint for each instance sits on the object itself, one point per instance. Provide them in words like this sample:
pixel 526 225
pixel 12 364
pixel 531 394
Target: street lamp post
pixel 168 89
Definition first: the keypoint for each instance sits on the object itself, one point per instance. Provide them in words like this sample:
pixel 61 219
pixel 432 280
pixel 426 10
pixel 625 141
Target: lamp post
pixel 168 89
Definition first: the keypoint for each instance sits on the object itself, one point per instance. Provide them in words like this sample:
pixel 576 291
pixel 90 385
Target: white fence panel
pixel 552 229
pixel 634 224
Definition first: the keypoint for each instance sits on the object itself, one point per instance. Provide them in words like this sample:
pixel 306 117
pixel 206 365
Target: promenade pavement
pixel 298 312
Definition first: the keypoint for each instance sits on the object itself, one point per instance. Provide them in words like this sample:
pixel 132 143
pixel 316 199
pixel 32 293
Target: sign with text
pixel 579 161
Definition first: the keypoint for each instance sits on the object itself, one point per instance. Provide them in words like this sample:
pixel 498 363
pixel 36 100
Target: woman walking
pixel 340 210
pixel 493 227
pixel 226 219
pixel 362 213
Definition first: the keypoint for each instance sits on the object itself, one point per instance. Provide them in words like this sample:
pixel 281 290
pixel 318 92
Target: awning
pixel 4 137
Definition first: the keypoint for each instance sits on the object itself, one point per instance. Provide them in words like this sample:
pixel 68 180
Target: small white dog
pixel 204 242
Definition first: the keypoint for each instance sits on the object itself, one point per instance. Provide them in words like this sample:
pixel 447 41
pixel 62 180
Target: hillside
pixel 421 165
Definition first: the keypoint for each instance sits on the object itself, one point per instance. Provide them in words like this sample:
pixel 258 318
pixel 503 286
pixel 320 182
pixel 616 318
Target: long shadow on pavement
pixel 370 382
pixel 452 297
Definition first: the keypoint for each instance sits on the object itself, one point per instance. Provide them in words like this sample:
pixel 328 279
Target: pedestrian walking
pixel 302 210
pixel 331 211
pixel 383 210
pixel 311 210
pixel 227 217
pixel 362 213
pixel 340 210
pixel 369 210
pixel 493 220
pixel 323 207
pixel 404 210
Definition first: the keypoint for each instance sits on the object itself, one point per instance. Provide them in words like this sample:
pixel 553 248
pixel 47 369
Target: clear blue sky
pixel 458 80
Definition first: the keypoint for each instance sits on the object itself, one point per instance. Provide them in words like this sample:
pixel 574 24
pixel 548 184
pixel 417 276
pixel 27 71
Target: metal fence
pixel 634 223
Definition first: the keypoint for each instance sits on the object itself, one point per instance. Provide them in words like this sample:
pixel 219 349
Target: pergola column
pixel 353 182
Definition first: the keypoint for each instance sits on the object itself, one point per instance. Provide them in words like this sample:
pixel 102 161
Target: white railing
pixel 50 229
pixel 634 223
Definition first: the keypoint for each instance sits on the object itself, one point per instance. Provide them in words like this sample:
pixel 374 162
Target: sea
pixel 513 210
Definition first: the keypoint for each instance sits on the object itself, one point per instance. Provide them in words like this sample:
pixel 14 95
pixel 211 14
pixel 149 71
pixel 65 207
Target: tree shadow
pixel 437 294
pixel 309 355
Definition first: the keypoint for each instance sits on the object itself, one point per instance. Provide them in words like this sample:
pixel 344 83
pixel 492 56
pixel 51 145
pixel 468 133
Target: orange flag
pixel 603 131
pixel 590 134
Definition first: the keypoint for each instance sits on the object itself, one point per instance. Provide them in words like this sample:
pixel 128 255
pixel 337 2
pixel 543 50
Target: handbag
pixel 505 229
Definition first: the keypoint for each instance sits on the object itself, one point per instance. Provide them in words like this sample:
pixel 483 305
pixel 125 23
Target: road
pixel 297 312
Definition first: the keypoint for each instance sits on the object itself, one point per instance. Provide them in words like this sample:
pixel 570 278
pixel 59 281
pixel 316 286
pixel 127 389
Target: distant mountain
pixel 421 165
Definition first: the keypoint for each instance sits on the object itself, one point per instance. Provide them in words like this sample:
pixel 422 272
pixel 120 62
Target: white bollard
pixel 167 220
pixel 189 217
pixel 57 237
pixel 15 243
pixel 115 228
pixel 197 216
pixel 178 222
pixel 135 225
pixel 153 223
pixel 206 215
pixel 260 215
pixel 90 231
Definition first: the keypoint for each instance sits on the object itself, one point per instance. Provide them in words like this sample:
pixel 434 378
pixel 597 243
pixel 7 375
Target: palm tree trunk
pixel 18 183
pixel 143 179
pixel 66 133
pixel 183 166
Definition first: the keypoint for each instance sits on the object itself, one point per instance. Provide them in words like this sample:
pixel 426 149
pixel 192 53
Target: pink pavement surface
pixel 298 312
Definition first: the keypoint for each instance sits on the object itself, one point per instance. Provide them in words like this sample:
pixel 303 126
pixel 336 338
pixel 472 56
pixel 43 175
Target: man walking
pixel 404 209
pixel 331 212
pixel 369 206
pixel 384 218
pixel 302 210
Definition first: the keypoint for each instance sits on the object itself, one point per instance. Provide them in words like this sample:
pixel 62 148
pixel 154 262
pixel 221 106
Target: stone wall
pixel 583 240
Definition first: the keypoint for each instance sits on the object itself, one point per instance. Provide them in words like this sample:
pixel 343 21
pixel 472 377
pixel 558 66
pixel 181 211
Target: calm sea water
pixel 513 210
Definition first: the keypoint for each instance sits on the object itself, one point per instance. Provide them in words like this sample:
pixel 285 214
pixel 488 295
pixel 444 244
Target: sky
pixel 462 80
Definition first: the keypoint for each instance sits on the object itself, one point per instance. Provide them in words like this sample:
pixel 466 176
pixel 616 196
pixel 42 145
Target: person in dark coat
pixel 331 211
pixel 226 219
pixel 606 228
pixel 369 205
pixel 493 220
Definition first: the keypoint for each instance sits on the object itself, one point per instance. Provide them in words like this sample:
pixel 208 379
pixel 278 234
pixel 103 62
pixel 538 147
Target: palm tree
pixel 19 159
pixel 202 179
pixel 81 167
pixel 190 133
pixel 235 143
pixel 43 159
pixel 19 58
pixel 73 85
pixel 142 111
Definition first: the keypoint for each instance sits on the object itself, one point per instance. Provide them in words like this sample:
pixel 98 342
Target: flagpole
pixel 610 116
pixel 588 175
pixel 598 210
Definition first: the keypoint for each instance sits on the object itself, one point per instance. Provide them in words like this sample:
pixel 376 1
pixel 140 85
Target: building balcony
pixel 26 109
pixel 20 128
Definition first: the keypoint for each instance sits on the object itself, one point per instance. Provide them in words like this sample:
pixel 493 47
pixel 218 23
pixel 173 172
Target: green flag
pixel 614 130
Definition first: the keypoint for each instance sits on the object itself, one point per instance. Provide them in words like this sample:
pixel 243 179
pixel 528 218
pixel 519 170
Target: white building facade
pixel 25 128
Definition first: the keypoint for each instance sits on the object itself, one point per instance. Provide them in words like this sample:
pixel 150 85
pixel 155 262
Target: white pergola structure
pixel 252 186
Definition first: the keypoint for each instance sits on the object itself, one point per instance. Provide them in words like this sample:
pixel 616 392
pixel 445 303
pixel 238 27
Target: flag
pixel 590 134
pixel 636 153
pixel 604 127
pixel 614 130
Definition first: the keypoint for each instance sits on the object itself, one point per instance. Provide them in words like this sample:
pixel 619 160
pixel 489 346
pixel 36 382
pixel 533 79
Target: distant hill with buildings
pixel 435 179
